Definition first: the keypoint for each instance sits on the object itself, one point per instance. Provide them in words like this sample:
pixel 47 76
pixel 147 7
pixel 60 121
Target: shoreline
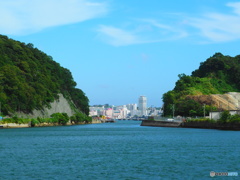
pixel 15 125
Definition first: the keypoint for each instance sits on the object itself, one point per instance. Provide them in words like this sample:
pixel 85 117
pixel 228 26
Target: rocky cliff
pixel 228 101
pixel 61 105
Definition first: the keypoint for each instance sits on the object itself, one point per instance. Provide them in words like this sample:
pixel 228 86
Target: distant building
pixel 133 109
pixel 108 112
pixel 142 105
pixel 96 111
pixel 131 106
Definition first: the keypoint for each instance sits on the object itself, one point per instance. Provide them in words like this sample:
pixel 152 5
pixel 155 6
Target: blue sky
pixel 118 50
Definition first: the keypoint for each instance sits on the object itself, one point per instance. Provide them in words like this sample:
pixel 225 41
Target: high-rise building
pixel 142 105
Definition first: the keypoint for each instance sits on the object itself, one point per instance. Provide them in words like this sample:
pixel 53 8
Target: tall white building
pixel 142 105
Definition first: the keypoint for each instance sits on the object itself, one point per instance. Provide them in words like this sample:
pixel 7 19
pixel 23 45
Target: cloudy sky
pixel 120 50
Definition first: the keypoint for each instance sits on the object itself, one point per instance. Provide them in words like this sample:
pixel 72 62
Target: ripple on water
pixel 121 150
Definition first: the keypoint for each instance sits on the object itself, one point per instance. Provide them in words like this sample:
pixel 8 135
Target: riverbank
pixel 193 124
pixel 27 125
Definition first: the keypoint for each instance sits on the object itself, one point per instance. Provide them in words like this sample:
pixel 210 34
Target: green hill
pixel 30 79
pixel 217 75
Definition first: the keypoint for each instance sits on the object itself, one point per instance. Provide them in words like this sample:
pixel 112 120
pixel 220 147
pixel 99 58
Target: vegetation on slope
pixel 30 79
pixel 55 119
pixel 217 75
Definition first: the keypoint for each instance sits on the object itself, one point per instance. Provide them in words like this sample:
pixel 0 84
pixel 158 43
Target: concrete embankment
pixel 211 125
pixel 193 124
pixel 161 123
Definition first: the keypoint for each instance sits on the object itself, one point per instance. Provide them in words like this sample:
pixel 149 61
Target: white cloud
pixel 235 6
pixel 210 27
pixel 219 27
pixel 168 32
pixel 24 16
pixel 143 31
pixel 117 37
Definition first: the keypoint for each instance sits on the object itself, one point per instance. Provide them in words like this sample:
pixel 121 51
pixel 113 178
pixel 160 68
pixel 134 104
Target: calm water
pixel 122 150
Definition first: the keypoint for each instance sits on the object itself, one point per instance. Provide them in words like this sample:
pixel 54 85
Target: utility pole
pixel 163 111
pixel 211 109
pixel 173 110
pixel 204 110
pixel 228 104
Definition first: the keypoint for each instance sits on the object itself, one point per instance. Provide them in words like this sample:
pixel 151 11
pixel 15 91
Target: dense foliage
pixel 217 75
pixel 30 79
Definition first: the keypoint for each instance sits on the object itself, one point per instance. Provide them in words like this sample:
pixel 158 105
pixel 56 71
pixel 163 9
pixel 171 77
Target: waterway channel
pixel 121 150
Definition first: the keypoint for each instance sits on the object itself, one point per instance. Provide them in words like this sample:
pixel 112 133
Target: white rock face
pixel 235 98
pixel 58 106
pixel 228 101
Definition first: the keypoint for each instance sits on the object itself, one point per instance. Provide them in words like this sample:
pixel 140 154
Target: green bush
pixel 61 118
pixel 56 118
pixel 80 118
pixel 34 122
pixel 234 118
pixel 202 120
pixel 224 117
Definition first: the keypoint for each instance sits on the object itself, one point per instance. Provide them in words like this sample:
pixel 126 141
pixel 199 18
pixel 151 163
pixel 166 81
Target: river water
pixel 121 150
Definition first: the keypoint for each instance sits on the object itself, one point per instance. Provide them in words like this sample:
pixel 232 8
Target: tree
pixel 168 99
pixel 189 107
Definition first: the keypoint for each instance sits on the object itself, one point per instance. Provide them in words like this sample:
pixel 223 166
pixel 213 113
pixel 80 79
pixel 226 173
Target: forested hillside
pixel 30 79
pixel 219 74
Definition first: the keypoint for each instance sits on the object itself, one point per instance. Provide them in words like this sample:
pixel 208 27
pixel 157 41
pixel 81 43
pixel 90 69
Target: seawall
pixel 193 124
pixel 211 125
pixel 160 123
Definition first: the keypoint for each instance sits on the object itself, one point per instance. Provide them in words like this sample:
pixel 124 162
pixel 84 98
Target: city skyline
pixel 119 50
pixel 125 111
pixel 129 103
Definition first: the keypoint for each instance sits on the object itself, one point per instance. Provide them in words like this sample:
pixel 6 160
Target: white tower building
pixel 142 105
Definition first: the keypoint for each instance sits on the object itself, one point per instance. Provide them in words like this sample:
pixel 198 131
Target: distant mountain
pixel 31 80
pixel 218 75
